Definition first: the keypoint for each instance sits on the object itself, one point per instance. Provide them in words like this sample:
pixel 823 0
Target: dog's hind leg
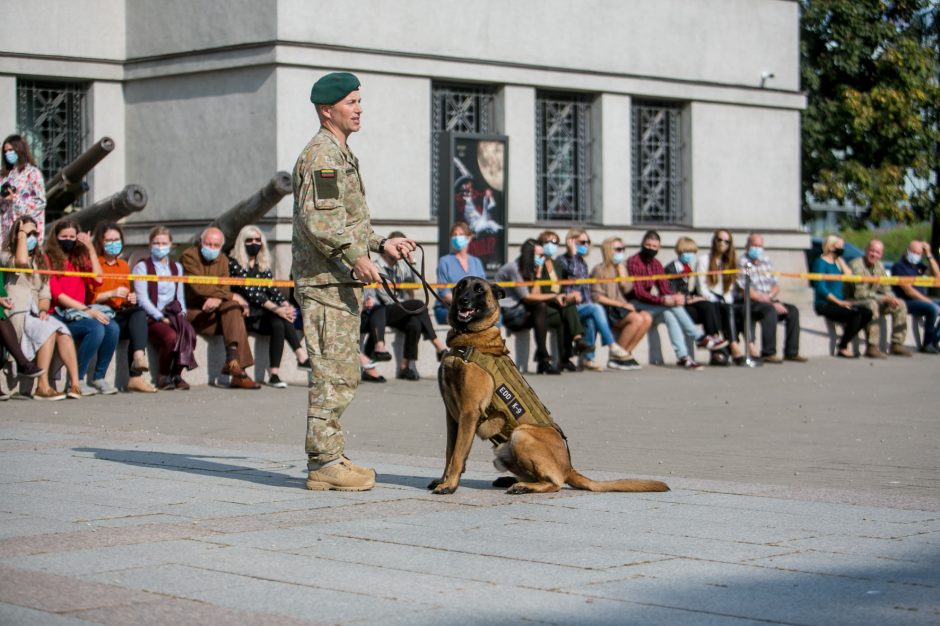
pixel 539 487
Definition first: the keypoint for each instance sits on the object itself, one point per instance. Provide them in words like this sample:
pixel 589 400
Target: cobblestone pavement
pixel 802 494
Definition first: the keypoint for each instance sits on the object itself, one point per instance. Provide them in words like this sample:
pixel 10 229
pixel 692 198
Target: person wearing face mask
pixel 216 309
pixel 562 310
pixel 629 324
pixel 701 310
pixel 593 316
pixel 40 334
pixel 22 190
pixel 164 301
pixel 92 325
pixel 269 312
pixel 656 297
pixel 116 294
pixel 456 265
pixel 829 301
pixel 766 306
pixel 880 300
pixel 918 261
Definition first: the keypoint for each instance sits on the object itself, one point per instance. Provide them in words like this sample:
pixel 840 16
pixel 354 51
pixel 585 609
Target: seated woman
pixel 524 308
pixel 387 313
pixel 454 266
pixel 116 294
pixel 701 310
pixel 165 303
pixel 269 312
pixel 40 335
pixel 562 311
pixel 9 342
pixel 629 324
pixel 719 288
pixel 92 325
pixel 828 300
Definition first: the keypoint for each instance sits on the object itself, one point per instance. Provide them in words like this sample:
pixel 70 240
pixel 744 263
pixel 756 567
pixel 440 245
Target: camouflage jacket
pixel 864 291
pixel 331 217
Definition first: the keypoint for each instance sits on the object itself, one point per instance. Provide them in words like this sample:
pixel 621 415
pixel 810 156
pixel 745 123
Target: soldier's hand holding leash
pixel 400 248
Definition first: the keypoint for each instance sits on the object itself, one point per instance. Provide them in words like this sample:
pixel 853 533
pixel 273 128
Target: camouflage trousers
pixel 880 309
pixel 331 329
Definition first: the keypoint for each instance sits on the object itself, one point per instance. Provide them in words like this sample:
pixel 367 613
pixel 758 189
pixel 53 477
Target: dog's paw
pixel 505 481
pixel 443 489
pixel 434 483
pixel 518 488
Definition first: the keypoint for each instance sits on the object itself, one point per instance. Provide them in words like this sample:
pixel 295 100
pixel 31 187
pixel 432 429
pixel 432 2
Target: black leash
pixel 424 284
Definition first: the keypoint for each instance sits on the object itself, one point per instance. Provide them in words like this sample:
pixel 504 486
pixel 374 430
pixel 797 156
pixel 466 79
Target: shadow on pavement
pixel 421 482
pixel 202 465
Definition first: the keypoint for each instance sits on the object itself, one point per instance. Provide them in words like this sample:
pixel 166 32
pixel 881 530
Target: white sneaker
pixel 618 353
pixel 591 365
pixel 104 387
pixel 86 389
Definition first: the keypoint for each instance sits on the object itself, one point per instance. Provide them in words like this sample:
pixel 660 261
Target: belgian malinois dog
pixel 489 398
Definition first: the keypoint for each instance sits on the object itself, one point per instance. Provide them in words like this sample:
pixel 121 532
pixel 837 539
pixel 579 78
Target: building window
pixel 468 109
pixel 563 162
pixel 51 117
pixel 657 193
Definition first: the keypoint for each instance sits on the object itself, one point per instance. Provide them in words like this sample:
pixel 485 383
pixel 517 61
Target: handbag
pixel 616 314
pixel 514 316
pixel 73 315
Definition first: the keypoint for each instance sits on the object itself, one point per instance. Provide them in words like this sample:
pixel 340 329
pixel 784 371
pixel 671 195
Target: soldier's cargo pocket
pixel 327 205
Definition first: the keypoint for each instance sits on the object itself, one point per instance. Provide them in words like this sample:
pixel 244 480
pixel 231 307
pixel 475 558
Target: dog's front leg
pixel 449 454
pixel 464 428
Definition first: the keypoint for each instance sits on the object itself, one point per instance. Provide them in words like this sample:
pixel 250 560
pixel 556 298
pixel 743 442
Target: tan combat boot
pixel 339 477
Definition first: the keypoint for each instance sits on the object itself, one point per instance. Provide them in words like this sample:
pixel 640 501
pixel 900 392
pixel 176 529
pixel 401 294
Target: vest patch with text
pixel 507 396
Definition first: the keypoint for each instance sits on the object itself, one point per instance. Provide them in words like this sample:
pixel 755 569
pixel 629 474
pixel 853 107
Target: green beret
pixel 331 88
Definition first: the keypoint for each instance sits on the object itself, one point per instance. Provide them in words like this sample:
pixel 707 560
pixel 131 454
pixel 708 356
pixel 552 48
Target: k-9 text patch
pixel 507 396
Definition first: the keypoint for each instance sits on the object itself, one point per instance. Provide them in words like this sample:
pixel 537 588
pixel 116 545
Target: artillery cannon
pixel 63 189
pixel 131 199
pixel 251 209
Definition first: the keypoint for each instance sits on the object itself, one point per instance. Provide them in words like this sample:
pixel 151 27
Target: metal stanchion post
pixel 748 327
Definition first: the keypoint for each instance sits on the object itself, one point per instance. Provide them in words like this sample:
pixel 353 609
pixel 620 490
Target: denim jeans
pixel 930 311
pixel 594 318
pixel 677 321
pixel 92 337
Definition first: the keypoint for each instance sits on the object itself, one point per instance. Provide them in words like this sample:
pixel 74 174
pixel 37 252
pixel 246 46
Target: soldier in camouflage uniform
pixel 332 238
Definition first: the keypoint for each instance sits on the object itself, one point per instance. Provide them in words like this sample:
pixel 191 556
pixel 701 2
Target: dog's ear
pixel 498 292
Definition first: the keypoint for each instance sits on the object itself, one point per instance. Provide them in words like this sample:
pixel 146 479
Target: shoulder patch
pixel 325 182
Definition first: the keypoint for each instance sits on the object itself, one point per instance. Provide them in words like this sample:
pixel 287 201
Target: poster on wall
pixel 475 186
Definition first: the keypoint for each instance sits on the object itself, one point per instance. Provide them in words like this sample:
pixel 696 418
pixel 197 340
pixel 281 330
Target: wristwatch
pixel 382 245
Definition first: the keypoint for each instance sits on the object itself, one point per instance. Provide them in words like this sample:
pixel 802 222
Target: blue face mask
pixel 31 242
pixel 914 259
pixel 618 258
pixel 755 252
pixel 159 252
pixel 11 156
pixel 539 261
pixel 581 249
pixel 551 249
pixel 209 254
pixel 687 258
pixel 459 242
pixel 113 248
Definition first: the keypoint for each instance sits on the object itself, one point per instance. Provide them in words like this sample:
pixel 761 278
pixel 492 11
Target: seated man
pixel 919 262
pixel 877 297
pixel 766 306
pixel 656 297
pixel 214 309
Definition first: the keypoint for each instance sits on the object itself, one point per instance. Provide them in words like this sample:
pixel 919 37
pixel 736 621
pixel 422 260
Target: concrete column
pixel 611 190
pixel 8 104
pixel 106 118
pixel 515 117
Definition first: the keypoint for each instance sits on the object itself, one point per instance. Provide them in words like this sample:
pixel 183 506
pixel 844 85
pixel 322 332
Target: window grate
pixel 563 148
pixel 657 197
pixel 464 109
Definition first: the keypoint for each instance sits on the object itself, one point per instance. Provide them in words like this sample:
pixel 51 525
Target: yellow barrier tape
pixel 917 281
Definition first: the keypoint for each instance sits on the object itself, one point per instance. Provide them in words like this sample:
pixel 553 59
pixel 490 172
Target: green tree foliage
pixel 871 132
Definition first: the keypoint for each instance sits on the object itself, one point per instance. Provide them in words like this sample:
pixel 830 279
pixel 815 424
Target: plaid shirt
pixel 761 279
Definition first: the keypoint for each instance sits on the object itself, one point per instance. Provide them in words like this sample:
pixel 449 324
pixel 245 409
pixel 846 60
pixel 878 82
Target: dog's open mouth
pixel 465 315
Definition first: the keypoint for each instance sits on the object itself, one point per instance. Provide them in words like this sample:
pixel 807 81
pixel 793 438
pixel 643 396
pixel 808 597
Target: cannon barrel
pixel 251 209
pixel 131 199
pixel 67 185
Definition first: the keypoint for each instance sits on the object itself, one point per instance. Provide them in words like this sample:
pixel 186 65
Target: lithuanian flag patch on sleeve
pixel 327 173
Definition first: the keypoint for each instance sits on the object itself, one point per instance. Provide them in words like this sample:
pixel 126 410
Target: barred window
pixel 469 109
pixel 563 162
pixel 657 193
pixel 51 116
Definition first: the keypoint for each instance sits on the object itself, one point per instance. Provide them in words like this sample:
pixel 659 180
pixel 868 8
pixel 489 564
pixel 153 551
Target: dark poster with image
pixel 475 190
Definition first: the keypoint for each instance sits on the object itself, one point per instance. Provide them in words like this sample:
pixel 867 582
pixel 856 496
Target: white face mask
pixel 914 258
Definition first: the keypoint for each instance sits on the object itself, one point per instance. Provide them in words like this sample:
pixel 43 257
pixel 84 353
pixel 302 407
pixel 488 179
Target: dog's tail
pixel 580 481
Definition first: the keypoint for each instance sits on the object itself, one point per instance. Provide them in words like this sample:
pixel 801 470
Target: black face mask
pixel 837 252
pixel 66 244
pixel 648 254
pixel 252 249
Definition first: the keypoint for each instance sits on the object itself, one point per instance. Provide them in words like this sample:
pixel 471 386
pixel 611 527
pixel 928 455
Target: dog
pixel 485 395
